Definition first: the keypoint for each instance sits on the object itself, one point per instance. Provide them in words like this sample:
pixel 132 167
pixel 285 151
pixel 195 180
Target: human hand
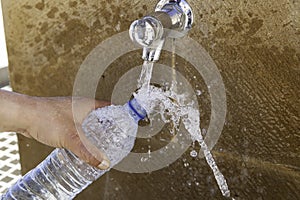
pixel 52 122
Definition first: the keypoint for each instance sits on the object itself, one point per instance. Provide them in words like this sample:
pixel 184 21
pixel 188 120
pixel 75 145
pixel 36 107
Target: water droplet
pixel 198 92
pixel 149 153
pixel 189 183
pixel 204 131
pixel 143 159
pixel 193 153
pixel 186 164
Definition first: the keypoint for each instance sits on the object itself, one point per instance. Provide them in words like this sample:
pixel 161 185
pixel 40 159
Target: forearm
pixel 15 112
pixel 51 121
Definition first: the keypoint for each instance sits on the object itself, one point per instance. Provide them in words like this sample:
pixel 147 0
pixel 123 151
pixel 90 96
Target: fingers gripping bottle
pixel 62 175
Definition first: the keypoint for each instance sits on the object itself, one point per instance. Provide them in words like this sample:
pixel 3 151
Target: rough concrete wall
pixel 255 45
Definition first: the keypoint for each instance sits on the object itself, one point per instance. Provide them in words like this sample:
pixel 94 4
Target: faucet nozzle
pixel 148 32
pixel 170 19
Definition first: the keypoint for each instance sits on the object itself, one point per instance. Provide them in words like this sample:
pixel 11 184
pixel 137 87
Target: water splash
pixel 173 107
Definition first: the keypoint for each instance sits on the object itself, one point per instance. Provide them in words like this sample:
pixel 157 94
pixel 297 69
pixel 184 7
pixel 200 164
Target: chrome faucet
pixel 171 19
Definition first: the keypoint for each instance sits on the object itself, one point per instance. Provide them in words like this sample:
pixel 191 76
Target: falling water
pixel 192 124
pixel 156 100
pixel 145 77
pixel 174 61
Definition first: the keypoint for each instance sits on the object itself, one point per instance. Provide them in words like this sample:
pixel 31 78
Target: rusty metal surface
pixel 255 45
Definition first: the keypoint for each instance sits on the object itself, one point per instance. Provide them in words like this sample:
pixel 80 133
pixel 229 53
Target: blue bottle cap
pixel 138 110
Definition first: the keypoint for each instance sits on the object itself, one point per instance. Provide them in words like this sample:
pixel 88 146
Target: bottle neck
pixel 136 110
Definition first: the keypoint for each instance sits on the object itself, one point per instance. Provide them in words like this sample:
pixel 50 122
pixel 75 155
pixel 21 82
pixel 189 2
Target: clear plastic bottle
pixel 62 175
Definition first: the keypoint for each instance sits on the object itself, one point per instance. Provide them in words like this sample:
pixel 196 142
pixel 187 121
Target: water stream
pixel 145 77
pixel 174 108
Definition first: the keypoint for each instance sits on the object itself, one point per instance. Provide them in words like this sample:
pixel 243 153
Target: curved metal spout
pixel 171 19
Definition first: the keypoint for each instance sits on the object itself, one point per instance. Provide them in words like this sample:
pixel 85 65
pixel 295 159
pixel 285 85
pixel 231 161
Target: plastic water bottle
pixel 62 175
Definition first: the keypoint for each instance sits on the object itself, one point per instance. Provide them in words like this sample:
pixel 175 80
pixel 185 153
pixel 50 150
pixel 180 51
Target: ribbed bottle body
pixel 62 175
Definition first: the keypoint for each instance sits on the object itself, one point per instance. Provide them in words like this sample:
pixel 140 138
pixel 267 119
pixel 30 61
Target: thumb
pixel 99 104
pixel 79 149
